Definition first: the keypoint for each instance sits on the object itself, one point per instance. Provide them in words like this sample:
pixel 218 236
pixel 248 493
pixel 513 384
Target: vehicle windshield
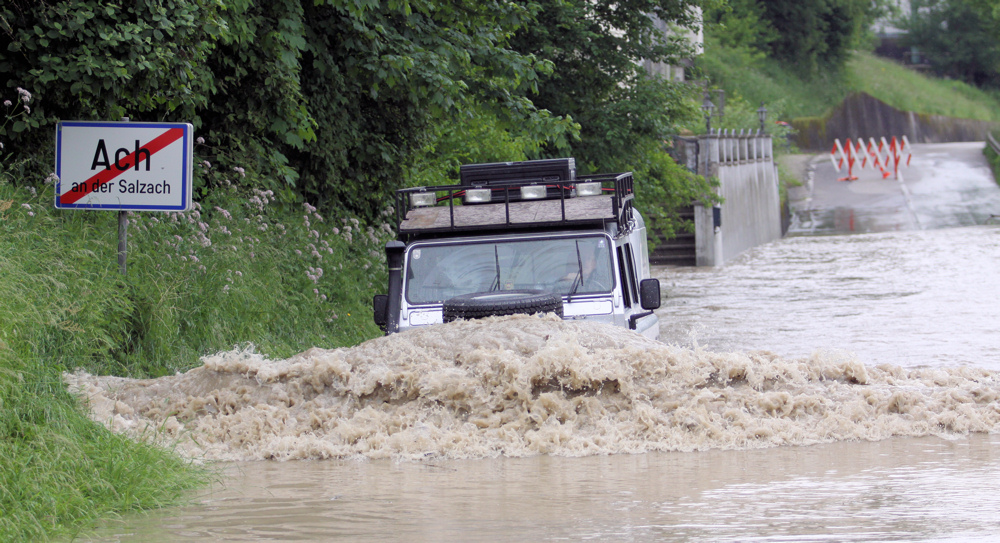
pixel 564 266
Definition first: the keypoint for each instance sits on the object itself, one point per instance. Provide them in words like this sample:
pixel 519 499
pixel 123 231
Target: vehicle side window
pixel 626 289
pixel 630 262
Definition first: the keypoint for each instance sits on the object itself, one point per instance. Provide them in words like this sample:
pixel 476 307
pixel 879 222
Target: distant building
pixel 676 72
pixel 891 37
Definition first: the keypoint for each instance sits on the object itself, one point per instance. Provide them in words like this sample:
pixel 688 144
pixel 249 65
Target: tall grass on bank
pixel 238 268
pixel 755 78
pixel 789 93
pixel 993 159
pixel 908 90
pixel 59 470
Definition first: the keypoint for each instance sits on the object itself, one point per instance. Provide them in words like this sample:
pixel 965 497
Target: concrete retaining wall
pixel 750 214
pixel 861 115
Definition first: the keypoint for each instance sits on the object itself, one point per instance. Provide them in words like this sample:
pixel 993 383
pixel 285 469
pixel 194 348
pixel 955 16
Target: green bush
pixel 994 160
pixel 330 100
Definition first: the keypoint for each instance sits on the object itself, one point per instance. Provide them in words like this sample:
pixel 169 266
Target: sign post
pixel 124 166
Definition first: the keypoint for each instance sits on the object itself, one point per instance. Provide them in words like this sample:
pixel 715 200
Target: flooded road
pixel 915 298
pixel 917 489
pixel 818 388
pixel 945 185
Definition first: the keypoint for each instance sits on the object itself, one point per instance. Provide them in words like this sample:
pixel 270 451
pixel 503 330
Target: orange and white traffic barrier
pixel 881 155
pixel 847 154
pixel 898 150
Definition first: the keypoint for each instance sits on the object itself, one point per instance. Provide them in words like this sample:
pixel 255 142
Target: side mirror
pixel 649 294
pixel 380 308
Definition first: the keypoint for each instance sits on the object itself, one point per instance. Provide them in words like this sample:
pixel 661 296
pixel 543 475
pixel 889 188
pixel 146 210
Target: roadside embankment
pixel 861 115
pixel 238 268
pixel 992 153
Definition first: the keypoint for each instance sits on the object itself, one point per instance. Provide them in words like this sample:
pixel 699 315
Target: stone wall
pixel 861 115
pixel 750 214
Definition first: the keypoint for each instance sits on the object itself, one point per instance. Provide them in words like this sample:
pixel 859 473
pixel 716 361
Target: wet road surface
pixel 945 185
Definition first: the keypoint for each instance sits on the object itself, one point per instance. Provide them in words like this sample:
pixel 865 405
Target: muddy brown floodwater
pixel 838 388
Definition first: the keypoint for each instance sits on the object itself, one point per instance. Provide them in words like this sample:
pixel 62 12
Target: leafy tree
pixel 959 38
pixel 810 34
pixel 625 116
pixel 339 101
pixel 740 24
pixel 328 100
pixel 88 59
pixel 381 78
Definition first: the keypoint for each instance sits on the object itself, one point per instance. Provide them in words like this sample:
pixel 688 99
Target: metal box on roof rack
pixel 549 170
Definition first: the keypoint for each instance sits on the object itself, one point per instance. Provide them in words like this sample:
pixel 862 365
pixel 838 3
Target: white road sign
pixel 124 166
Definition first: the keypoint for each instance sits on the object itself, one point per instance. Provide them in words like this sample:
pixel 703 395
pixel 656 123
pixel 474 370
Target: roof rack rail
pixel 534 202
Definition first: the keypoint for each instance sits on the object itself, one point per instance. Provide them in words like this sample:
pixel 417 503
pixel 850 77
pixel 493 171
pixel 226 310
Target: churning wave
pixel 519 386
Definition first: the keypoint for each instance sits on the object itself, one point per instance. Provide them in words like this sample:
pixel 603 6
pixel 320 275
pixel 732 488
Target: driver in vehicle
pixel 594 278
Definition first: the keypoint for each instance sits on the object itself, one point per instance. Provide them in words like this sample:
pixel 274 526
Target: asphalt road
pixel 945 185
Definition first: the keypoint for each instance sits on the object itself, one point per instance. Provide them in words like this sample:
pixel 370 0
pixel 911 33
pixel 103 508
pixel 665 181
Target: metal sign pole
pixel 122 241
pixel 123 235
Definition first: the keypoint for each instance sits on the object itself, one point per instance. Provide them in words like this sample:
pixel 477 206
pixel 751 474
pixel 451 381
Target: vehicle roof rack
pixel 505 209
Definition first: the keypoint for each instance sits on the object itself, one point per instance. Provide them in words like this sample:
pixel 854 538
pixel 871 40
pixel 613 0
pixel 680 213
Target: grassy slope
pixel 788 95
pixel 994 160
pixel 241 268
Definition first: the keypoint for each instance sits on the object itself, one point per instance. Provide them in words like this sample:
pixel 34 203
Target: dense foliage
pixel 811 35
pixel 341 101
pixel 329 100
pixel 960 39
pixel 626 117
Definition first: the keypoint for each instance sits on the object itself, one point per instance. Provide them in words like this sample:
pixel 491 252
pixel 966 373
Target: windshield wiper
pixel 579 276
pixel 496 282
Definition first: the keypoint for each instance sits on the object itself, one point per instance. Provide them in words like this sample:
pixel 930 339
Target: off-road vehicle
pixel 520 237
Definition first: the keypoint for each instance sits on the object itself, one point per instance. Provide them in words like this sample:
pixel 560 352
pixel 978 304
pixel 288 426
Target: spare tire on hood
pixel 501 302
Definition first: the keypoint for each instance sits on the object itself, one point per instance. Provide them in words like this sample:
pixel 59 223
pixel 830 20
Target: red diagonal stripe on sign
pixel 158 143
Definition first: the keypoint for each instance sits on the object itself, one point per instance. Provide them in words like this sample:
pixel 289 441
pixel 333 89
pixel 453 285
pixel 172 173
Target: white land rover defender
pixel 520 237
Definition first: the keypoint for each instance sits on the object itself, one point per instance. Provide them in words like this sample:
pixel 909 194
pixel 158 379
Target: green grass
pixel 790 94
pixel 994 160
pixel 59 470
pixel 908 90
pixel 239 268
